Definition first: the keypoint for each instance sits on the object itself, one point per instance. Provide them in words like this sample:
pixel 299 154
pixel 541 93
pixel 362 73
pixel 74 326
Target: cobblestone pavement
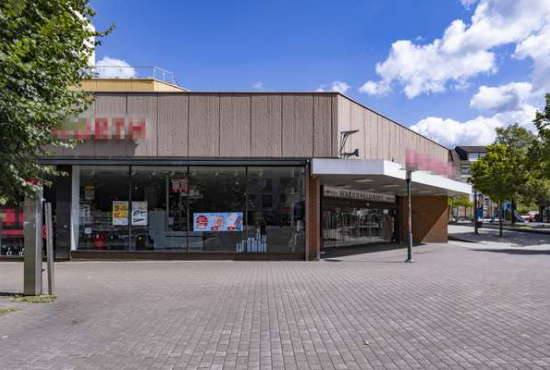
pixel 454 308
pixel 489 239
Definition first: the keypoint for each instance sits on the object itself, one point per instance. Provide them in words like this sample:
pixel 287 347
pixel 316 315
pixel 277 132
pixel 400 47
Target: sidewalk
pixel 488 239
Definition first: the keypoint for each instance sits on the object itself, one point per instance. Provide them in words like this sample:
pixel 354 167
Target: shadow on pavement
pixel 359 249
pixel 515 251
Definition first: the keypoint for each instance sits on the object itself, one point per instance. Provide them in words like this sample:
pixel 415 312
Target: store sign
pixel 139 213
pixel 416 161
pixel 358 195
pixel 102 128
pixel 120 213
pixel 229 221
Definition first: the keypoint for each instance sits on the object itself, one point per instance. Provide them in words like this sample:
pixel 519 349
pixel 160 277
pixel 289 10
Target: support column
pixel 313 218
pixel 63 191
pixel 32 279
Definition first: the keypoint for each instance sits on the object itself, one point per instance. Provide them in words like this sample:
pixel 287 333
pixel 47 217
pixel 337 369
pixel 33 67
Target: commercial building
pixel 162 172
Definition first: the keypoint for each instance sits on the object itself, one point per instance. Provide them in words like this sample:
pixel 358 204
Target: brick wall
pixel 313 220
pixel 429 219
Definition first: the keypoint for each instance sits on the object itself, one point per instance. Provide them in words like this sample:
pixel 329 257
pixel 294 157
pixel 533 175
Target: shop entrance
pixel 352 222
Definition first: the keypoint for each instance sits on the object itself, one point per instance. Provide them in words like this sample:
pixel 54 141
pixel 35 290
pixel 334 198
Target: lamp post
pixel 475 213
pixel 409 217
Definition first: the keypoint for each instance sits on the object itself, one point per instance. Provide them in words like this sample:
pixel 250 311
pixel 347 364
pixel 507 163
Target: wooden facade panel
pixel 235 117
pixel 204 125
pixel 322 126
pixel 344 118
pixel 112 105
pixel 145 105
pixel 173 125
pixel 297 126
pixel 371 135
pixel 83 149
pixel 335 133
pixel 266 126
pixel 357 122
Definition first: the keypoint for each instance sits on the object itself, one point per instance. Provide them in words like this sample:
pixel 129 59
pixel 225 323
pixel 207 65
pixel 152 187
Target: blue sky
pixel 433 82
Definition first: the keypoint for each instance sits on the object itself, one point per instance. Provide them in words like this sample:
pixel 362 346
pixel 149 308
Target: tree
pixel 45 47
pixel 542 148
pixel 519 141
pixel 494 175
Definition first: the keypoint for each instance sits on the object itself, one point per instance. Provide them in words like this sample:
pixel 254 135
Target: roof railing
pixel 132 72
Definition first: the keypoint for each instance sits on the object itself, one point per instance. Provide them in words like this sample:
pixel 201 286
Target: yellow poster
pixel 120 213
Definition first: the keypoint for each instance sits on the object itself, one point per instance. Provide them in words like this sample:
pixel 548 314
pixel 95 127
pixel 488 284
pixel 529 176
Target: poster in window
pixel 89 192
pixel 120 213
pixel 226 221
pixel 179 186
pixel 139 213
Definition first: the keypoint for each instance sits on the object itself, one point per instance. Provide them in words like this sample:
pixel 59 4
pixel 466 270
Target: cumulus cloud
pixel 503 97
pixel 375 88
pixel 335 86
pixel 468 50
pixel 468 3
pixel 258 86
pixel 477 131
pixel 114 68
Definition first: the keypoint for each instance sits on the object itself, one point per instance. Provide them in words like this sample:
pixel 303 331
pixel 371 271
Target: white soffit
pixel 330 167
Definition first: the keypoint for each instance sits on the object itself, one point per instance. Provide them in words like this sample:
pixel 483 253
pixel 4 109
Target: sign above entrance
pixel 102 128
pixel 357 195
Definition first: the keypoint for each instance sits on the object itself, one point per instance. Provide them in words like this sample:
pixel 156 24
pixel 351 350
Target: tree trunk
pixel 500 222
pixel 513 212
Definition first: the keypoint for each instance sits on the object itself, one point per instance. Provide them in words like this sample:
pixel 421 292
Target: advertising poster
pixel 228 221
pixel 89 192
pixel 139 213
pixel 179 186
pixel 120 213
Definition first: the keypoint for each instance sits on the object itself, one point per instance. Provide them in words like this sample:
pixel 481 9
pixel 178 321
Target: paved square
pixel 455 308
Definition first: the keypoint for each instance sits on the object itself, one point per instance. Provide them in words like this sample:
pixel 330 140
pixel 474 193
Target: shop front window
pixel 104 208
pixel 159 208
pixel 216 208
pixel 12 241
pixel 191 208
pixel 276 209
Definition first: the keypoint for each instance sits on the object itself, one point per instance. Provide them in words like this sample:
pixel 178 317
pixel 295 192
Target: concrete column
pixel 32 279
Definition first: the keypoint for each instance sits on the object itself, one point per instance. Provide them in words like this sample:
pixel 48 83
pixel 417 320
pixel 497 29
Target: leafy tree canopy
pixel 45 47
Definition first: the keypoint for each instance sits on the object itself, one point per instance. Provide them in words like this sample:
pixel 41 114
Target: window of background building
pixel 11 230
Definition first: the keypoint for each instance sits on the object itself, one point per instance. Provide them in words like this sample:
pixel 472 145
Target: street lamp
pixel 409 216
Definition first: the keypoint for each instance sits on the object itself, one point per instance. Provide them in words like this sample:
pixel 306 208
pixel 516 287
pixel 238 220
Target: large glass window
pixel 216 208
pixel 12 241
pixel 159 208
pixel 276 209
pixel 195 208
pixel 104 208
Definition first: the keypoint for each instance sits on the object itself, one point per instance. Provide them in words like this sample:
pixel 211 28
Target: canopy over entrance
pixel 381 176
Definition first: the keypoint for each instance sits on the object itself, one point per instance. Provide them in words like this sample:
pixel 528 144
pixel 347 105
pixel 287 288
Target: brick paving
pixel 455 308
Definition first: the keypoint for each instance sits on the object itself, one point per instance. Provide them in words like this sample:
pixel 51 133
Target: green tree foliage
pixel 44 49
pixel 495 175
pixel 519 142
pixel 541 150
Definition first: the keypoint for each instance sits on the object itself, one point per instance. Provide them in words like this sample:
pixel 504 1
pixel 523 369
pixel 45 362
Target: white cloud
pixel 375 88
pixel 537 47
pixel 114 68
pixel 504 97
pixel 468 50
pixel 477 131
pixel 335 86
pixel 258 86
pixel 468 3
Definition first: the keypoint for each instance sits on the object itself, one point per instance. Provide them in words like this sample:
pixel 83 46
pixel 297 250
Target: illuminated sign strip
pixel 358 195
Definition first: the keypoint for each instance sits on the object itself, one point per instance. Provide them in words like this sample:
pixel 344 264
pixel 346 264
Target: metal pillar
pixel 409 217
pixel 49 247
pixel 475 213
pixel 33 246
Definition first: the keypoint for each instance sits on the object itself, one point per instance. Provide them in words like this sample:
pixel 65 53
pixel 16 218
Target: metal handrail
pixel 135 72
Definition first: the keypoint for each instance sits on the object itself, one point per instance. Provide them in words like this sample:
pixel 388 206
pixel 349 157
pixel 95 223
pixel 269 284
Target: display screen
pixel 228 221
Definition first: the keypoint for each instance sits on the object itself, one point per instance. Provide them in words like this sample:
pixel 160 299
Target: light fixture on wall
pixel 344 135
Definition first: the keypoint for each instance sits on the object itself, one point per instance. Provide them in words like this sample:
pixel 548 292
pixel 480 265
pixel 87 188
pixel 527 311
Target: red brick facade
pixel 429 219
